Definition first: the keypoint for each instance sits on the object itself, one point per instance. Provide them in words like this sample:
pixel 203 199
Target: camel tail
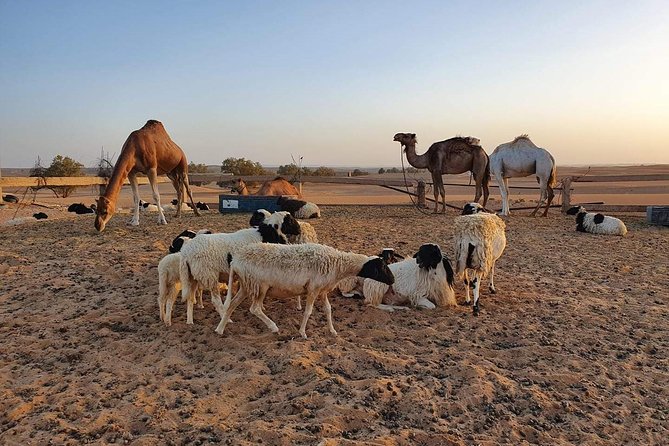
pixel 552 179
pixel 486 174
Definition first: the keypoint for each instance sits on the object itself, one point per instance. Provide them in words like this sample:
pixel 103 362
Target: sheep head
pixel 376 269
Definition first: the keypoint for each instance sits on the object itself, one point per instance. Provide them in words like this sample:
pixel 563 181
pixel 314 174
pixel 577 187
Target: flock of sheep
pixel 279 257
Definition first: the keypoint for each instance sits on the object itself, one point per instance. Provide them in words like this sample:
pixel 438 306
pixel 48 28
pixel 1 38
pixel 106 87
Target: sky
pixel 333 81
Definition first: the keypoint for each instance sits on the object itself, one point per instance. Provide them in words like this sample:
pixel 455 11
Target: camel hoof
pixel 304 334
pixel 476 310
pixel 333 332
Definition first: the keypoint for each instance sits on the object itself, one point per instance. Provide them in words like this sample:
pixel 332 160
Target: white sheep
pixel 299 208
pixel 597 223
pixel 169 276
pixel 288 270
pixel 480 240
pixel 205 260
pixel 423 281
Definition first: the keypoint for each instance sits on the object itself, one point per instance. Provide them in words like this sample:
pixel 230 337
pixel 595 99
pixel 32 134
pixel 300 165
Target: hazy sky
pixel 334 81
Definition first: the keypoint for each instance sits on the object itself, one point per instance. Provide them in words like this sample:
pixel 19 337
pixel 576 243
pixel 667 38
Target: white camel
pixel 520 158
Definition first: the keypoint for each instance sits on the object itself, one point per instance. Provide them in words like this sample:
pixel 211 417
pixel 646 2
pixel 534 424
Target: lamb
pixel 169 276
pixel 148 207
pixel 423 281
pixel 206 258
pixel 288 270
pixel 597 223
pixel 307 233
pixel 352 286
pixel 299 208
pixel 480 240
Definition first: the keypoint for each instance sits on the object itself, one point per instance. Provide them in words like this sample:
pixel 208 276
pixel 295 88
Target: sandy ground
pixel 573 349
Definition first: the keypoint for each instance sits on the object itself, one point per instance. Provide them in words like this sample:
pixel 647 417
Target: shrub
pixel 61 166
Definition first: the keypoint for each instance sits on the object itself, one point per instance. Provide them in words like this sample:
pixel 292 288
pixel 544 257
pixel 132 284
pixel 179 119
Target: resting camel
pixel 521 158
pixel 454 156
pixel 150 151
pixel 277 186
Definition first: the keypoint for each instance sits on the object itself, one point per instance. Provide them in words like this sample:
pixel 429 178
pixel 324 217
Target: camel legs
pixel 186 187
pixel 132 178
pixel 438 188
pixel 503 184
pixel 546 196
pixel 549 199
pixel 152 174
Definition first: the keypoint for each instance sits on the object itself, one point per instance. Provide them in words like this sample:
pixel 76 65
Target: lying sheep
pixel 480 240
pixel 299 208
pixel 597 223
pixel 206 259
pixel 353 286
pixel 289 270
pixel 80 209
pixel 424 281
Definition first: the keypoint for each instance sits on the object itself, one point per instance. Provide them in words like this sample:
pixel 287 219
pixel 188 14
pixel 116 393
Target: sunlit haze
pixel 334 81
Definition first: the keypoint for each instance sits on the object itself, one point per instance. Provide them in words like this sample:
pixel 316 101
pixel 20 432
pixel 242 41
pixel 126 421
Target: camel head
pixel 406 139
pixel 239 186
pixel 105 210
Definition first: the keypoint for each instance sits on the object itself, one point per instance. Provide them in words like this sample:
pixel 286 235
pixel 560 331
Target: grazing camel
pixel 150 151
pixel 455 155
pixel 277 186
pixel 521 158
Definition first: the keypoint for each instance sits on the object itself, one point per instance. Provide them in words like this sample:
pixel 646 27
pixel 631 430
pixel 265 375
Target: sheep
pixel 352 286
pixel 169 276
pixel 9 198
pixel 40 216
pixel 207 257
pixel 423 281
pixel 148 207
pixel 307 233
pixel 299 208
pixel 480 240
pixel 597 223
pixel 80 209
pixel 288 270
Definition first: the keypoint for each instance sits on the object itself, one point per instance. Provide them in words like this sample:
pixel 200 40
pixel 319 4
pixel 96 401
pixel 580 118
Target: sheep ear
pixel 257 218
pixel 450 276
pixel 176 245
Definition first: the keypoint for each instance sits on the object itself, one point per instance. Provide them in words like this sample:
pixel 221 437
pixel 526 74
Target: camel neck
pixel 120 173
pixel 417 161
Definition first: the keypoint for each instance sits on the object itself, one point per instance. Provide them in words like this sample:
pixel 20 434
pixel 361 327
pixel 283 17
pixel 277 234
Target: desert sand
pixel 573 348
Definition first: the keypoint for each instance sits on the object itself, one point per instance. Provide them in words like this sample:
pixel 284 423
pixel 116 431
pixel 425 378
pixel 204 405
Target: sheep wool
pixel 472 230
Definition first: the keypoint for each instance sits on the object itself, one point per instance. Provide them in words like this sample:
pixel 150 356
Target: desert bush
pixel 61 166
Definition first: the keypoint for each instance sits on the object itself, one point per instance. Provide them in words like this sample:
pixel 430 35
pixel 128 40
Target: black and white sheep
pixel 480 239
pixel 205 260
pixel 299 208
pixel 597 223
pixel 306 234
pixel 423 281
pixel 353 286
pixel 284 271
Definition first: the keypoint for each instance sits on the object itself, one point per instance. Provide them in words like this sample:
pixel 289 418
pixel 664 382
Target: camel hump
pixel 524 136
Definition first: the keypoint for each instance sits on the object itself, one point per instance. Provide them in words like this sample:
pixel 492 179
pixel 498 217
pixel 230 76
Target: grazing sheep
pixel 352 286
pixel 597 223
pixel 299 208
pixel 424 281
pixel 307 233
pixel 288 270
pixel 80 209
pixel 206 259
pixel 480 240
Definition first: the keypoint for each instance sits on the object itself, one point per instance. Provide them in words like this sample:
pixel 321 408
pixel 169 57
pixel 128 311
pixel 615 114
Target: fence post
pixel 420 190
pixel 566 193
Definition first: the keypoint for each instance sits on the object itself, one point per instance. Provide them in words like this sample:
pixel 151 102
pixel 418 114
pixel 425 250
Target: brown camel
pixel 455 155
pixel 277 186
pixel 150 151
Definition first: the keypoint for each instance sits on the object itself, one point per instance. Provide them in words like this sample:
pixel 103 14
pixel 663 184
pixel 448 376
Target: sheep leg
pixel 467 299
pixel 257 310
pixel 198 293
pixel 491 285
pixel 328 313
pixel 228 308
pixel 477 283
pixel 299 302
pixel 425 303
pixel 132 179
pixel 390 308
pixel 215 293
pixel 311 298
pixel 169 304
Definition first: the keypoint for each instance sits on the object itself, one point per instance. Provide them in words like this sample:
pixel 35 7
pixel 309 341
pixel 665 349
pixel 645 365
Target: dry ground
pixel 573 349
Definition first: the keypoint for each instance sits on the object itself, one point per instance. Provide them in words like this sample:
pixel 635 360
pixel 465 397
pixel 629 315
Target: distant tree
pixel 197 168
pixel 359 173
pixel 382 171
pixel 324 172
pixel 61 166
pixel 288 170
pixel 412 170
pixel 242 166
pixel 393 170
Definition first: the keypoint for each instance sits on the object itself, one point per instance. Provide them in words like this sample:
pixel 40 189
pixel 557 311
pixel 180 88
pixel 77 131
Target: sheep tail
pixel 461 255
